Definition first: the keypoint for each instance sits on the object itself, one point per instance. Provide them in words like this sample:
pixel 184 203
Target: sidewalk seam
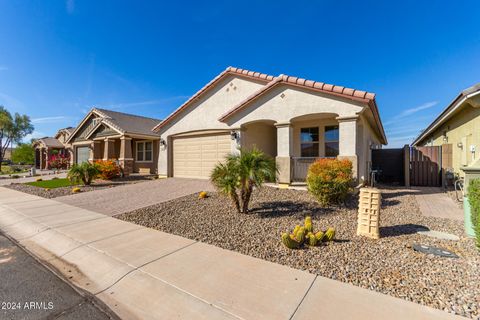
pixel 303 298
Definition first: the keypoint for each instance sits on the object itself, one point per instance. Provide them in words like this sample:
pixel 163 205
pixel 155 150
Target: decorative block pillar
pixel 126 158
pixel 284 152
pixel 369 212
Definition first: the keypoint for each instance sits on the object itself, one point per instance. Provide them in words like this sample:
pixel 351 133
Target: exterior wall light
pixel 163 143
pixel 234 135
pixel 460 145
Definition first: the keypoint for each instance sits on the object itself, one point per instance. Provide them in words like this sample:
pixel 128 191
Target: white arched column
pixel 284 151
pixel 348 139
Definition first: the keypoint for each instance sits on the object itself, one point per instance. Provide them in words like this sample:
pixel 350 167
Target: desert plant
pixel 58 161
pixel 474 200
pixel 84 173
pixel 76 190
pixel 202 195
pixel 240 173
pixel 300 236
pixel 330 180
pixel 109 169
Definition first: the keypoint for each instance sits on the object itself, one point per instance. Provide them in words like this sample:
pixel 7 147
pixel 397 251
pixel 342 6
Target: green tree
pixel 12 130
pixel 241 173
pixel 23 153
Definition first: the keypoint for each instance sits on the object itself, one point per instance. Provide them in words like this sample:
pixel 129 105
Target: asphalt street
pixel 29 290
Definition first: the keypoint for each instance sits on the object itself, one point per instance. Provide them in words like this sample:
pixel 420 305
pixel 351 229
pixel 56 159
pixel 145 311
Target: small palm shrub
pixel 84 173
pixel 240 173
pixel 330 180
pixel 109 169
pixel 474 200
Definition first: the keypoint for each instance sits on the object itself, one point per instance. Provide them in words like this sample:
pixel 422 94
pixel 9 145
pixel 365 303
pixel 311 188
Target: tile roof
pixel 128 123
pixel 348 93
pixel 230 70
pixel 271 81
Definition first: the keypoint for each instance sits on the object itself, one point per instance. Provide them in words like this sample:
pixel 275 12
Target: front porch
pixel 296 144
pixel 132 154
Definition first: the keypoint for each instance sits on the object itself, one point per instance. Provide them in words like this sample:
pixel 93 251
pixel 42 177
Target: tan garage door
pixel 195 156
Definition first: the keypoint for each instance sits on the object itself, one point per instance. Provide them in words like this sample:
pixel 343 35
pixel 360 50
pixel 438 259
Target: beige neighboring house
pixel 291 119
pixel 459 126
pixel 46 145
pixel 110 135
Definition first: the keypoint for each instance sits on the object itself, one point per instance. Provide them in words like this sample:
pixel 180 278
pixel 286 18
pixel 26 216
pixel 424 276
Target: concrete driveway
pixel 130 197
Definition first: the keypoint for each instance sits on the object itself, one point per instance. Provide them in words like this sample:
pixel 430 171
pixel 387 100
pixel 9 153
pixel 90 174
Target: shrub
pixel 202 195
pixel 241 173
pixel 330 180
pixel 474 200
pixel 84 173
pixel 76 190
pixel 109 169
pixel 39 179
pixel 58 161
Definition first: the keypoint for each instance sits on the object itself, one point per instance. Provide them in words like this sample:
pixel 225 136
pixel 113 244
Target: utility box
pixel 369 212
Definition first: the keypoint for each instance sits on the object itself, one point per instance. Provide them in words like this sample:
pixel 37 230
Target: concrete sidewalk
pixel 434 202
pixel 142 273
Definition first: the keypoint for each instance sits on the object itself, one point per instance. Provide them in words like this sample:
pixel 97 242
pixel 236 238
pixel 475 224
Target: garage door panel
pixel 196 156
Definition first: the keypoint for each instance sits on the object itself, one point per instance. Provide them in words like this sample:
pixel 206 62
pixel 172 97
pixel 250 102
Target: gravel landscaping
pixel 388 265
pixel 65 191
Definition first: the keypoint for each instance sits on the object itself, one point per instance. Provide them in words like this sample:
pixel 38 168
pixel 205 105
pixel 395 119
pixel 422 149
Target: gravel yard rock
pixel 65 191
pixel 388 265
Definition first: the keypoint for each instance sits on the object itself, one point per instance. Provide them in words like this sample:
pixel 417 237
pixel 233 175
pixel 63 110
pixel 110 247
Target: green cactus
pixel 329 234
pixel 308 224
pixel 319 236
pixel 297 227
pixel 300 236
pixel 289 242
pixel 312 241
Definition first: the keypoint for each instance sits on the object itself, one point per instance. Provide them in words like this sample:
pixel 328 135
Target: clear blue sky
pixel 60 58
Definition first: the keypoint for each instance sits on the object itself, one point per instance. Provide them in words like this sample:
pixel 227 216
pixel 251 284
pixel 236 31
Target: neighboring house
pixel 291 119
pixel 46 146
pixel 458 125
pixel 110 135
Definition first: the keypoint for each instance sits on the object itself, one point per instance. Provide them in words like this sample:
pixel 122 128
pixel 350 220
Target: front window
pixel 331 141
pixel 144 151
pixel 309 142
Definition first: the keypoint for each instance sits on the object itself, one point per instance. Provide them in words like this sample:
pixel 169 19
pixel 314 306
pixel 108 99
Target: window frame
pixel 144 151
pixel 325 140
pixel 317 142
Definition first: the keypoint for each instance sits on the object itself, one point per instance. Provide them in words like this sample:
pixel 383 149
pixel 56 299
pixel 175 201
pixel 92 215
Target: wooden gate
pixel 426 166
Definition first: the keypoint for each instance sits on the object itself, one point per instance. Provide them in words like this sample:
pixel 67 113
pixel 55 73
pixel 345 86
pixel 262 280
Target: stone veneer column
pixel 126 158
pixel 284 152
pixel 347 127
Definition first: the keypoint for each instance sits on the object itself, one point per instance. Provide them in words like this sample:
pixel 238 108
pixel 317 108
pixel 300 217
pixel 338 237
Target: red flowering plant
pixel 58 161
pixel 109 169
pixel 330 180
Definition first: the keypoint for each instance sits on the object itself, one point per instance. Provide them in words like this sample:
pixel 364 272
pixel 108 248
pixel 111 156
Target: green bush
pixel 84 173
pixel 474 200
pixel 330 180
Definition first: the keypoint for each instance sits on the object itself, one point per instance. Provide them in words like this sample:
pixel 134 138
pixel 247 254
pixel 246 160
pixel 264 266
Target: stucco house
pixel 46 146
pixel 293 120
pixel 110 135
pixel 459 125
